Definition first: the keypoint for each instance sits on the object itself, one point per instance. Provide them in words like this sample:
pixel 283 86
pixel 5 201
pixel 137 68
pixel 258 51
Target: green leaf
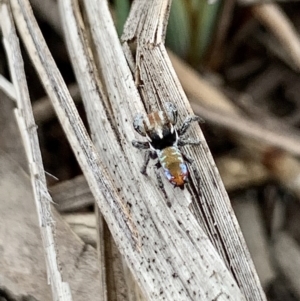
pixel 178 31
pixel 122 8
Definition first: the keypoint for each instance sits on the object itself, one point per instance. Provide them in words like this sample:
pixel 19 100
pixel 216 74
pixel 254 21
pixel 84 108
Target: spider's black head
pixel 169 138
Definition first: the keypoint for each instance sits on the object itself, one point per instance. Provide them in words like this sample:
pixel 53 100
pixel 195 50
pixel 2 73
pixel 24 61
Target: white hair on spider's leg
pixel 138 124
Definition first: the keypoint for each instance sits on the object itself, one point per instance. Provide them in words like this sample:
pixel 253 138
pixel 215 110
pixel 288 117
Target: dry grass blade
pixel 28 129
pixel 43 110
pixel 7 87
pixel 213 210
pixel 274 136
pixel 251 221
pixel 287 254
pixel 174 258
pixel 69 196
pixel 70 120
pixel 273 17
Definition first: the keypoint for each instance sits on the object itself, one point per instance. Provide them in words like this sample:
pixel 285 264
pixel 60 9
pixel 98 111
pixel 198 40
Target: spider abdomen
pixel 174 167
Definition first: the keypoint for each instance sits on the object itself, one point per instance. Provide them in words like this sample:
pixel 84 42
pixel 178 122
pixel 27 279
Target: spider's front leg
pixel 183 142
pixel 187 122
pixel 149 154
pixel 140 144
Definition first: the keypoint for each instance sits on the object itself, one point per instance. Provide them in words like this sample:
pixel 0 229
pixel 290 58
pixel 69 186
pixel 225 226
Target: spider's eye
pixel 138 124
pixel 171 112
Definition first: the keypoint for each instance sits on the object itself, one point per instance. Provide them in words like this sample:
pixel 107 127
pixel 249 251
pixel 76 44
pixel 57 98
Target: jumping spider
pixel 164 142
